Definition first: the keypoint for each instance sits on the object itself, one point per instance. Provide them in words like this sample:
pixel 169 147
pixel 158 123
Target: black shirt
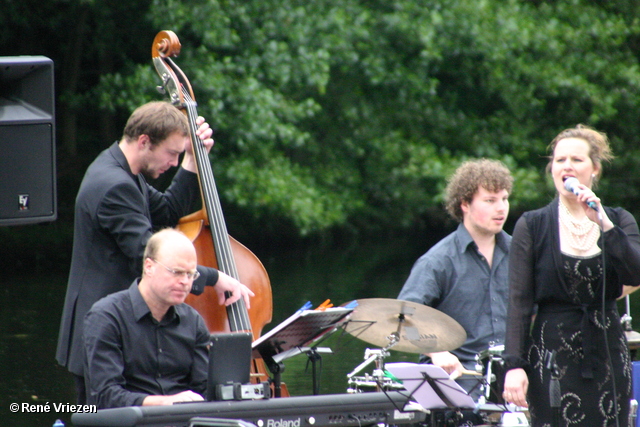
pixel 129 355
pixel 114 219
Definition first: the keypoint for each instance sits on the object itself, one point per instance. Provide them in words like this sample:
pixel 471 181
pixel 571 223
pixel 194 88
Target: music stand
pixel 431 386
pixel 300 329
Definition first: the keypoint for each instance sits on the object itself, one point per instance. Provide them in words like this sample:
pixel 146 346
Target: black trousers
pixel 81 390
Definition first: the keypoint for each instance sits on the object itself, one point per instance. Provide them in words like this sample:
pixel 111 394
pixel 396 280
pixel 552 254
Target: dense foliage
pixel 350 113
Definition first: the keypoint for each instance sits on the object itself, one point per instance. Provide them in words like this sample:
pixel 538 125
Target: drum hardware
pixel 402 326
pixel 410 327
pixel 378 379
pixel 633 337
pixel 493 350
pixel 508 414
pixel 633 343
pixel 503 415
pixel 370 355
pixel 372 383
pixel 513 419
pixel 493 357
pixel 626 318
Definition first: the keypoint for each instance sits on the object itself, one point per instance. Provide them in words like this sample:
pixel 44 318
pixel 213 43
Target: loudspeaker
pixel 27 141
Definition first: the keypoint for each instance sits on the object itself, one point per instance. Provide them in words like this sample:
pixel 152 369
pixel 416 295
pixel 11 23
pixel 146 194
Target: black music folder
pixel 229 375
pixel 300 329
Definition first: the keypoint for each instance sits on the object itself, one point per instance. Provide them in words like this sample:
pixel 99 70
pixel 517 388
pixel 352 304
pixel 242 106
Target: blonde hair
pixel 599 148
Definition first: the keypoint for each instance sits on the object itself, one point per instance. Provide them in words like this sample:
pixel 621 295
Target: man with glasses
pixel 144 345
pixel 117 211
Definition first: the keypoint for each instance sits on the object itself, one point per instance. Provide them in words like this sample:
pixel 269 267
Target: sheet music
pixel 413 375
pixel 301 328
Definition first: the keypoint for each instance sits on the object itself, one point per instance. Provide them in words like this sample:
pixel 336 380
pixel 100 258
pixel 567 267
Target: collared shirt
pixel 129 355
pixel 114 219
pixel 455 278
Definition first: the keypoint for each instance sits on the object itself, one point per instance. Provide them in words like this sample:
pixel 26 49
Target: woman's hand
pixel 516 384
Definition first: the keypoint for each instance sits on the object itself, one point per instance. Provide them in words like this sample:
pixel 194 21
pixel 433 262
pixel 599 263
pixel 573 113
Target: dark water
pixel 32 306
pixel 28 333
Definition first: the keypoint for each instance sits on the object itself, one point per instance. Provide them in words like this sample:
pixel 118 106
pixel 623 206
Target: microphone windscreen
pixel 571 183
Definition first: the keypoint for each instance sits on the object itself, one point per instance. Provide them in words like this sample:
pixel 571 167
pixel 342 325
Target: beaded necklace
pixel 581 234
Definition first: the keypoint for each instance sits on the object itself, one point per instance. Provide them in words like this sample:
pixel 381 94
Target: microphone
pixel 571 184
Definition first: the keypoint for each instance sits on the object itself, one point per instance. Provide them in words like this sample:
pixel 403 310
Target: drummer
pixel 465 274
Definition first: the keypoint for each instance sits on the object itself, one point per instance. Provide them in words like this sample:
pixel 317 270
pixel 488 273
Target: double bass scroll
pixel 207 228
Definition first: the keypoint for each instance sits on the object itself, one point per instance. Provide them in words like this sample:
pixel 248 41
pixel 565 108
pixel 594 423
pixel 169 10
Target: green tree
pixel 351 113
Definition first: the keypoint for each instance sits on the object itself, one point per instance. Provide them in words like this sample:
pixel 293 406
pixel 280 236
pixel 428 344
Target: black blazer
pixel 115 214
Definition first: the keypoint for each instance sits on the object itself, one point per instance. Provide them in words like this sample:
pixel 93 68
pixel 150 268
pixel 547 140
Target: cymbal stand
pixel 493 354
pixel 370 355
pixel 633 337
pixel 626 319
pixel 377 355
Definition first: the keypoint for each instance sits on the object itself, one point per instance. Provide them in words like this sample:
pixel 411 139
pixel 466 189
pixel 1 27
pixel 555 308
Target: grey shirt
pixel 454 278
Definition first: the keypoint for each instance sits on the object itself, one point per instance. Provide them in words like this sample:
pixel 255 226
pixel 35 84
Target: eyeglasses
pixel 191 275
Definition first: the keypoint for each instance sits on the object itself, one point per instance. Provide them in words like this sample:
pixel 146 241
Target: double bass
pixel 207 228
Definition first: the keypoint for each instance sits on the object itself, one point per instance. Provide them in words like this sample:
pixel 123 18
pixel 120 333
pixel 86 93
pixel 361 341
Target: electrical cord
pixel 604 325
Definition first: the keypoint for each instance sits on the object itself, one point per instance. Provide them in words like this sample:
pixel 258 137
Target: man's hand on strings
pixel 204 133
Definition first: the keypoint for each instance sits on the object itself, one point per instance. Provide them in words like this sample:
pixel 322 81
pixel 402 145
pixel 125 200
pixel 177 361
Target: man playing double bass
pixel 117 211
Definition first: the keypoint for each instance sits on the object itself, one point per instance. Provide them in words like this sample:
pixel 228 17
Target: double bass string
pixel 176 84
pixel 237 312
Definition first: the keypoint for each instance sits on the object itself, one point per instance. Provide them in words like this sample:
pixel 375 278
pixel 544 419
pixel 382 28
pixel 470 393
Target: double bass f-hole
pixel 207 228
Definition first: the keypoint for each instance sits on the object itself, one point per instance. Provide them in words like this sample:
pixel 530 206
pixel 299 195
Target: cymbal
pixel 417 327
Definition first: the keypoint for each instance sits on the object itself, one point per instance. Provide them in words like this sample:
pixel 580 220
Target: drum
pixel 490 362
pixel 633 340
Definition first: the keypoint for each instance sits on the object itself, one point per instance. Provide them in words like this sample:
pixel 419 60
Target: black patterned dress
pixel 567 293
pixel 573 330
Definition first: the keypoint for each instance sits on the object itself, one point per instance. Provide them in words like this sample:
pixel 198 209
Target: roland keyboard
pixel 340 410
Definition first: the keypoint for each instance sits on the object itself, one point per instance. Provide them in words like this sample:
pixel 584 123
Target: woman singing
pixel 569 262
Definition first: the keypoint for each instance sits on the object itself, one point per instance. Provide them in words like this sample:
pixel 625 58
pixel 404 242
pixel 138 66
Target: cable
pixel 604 324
